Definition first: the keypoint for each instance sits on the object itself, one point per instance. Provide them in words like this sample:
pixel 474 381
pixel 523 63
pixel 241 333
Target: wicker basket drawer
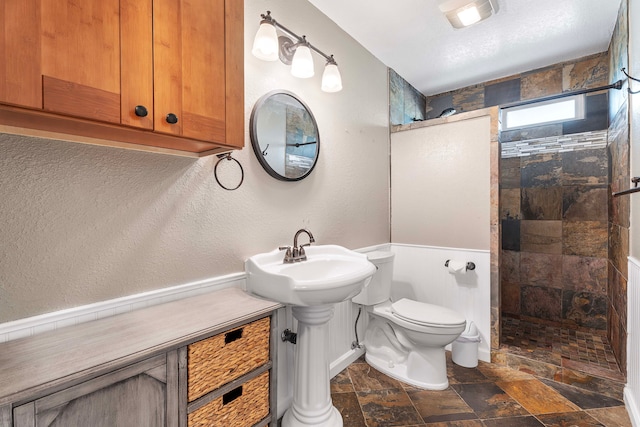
pixel 215 361
pixel 242 407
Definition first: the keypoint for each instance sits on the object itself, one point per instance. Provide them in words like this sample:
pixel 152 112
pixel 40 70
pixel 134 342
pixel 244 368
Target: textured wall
pixel 441 185
pixel 82 224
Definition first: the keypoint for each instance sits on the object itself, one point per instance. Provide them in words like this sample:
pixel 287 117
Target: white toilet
pixel 406 339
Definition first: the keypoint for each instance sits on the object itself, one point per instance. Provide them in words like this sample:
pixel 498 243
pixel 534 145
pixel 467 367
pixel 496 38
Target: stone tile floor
pixel 578 346
pixel 490 395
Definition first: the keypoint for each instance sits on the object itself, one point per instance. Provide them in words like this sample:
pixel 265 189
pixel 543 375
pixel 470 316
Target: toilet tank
pixel 379 289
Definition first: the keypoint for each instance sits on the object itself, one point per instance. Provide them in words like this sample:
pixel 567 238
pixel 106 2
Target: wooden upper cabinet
pixel 172 67
pixel 136 69
pixel 20 63
pixel 80 58
pixel 189 67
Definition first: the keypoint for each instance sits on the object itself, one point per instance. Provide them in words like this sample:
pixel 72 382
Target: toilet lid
pixel 425 314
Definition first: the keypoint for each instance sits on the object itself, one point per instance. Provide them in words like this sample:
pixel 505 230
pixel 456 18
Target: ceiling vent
pixel 463 13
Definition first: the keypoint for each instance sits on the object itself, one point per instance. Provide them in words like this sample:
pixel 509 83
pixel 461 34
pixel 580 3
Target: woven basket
pixel 215 361
pixel 241 407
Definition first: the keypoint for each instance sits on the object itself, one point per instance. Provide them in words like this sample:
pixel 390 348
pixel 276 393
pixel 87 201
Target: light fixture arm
pixel 300 40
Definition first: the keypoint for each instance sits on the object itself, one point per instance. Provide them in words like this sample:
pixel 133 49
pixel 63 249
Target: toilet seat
pixel 423 314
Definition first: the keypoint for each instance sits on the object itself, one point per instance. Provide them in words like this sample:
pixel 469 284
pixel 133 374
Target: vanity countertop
pixel 51 360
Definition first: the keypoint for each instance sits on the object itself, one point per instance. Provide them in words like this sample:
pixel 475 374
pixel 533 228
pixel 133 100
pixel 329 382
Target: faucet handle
pixel 302 256
pixel 288 258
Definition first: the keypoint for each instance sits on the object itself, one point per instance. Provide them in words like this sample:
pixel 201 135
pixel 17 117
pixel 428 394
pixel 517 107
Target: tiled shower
pixel 565 238
pixel 554 213
pixel 564 248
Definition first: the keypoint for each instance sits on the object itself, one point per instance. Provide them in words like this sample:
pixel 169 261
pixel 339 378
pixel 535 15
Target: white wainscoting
pixel 420 273
pixel 632 390
pixel 342 336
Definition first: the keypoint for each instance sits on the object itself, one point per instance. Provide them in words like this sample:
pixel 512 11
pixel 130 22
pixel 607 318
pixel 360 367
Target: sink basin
pixel 331 274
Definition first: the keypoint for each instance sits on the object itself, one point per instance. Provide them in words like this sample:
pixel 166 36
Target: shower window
pixel 544 113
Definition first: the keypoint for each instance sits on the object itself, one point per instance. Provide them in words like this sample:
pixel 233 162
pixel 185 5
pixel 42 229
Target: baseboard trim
pixel 632 408
pixel 345 360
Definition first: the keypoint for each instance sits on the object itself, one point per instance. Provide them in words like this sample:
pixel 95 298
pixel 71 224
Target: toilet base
pixel 399 371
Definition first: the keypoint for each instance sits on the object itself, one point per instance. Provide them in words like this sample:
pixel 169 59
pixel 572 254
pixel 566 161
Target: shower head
pixel 447 112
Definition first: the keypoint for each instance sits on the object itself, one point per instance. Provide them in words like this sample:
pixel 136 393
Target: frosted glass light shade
pixel 331 79
pixel 265 45
pixel 302 63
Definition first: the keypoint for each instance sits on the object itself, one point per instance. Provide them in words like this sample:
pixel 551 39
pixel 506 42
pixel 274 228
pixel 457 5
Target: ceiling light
pixel 462 13
pixel 468 15
pixel 268 46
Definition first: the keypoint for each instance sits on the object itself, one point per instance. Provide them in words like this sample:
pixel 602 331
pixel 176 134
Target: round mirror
pixel 284 136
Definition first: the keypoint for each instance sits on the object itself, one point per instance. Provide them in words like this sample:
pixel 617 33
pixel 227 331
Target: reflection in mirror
pixel 284 136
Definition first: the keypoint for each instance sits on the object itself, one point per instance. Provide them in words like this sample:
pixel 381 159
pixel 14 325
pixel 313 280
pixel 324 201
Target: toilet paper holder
pixel 470 265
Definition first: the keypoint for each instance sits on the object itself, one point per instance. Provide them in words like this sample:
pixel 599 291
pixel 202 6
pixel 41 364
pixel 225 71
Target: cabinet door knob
pixel 172 119
pixel 141 111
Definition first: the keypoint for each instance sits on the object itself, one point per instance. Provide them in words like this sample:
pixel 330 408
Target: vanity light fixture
pixel 463 13
pixel 268 46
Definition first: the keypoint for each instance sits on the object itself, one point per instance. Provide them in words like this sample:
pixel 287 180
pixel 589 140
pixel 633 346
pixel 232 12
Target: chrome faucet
pixel 297 254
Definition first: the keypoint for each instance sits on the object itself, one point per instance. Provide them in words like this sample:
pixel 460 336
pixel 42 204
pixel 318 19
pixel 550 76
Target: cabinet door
pixel 20 63
pixel 137 63
pixel 135 396
pixel 80 63
pixel 189 68
pixel 62 56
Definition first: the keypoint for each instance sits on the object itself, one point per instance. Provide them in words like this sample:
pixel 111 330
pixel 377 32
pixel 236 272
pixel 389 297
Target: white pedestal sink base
pixel 311 390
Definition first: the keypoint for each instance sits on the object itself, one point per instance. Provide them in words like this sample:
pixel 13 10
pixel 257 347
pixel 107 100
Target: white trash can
pixel 464 350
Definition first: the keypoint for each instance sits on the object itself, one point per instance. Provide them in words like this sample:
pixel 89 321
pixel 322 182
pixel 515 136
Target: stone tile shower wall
pixel 554 215
pixel 619 179
pixel 406 103
pixel 619 223
pixel 584 73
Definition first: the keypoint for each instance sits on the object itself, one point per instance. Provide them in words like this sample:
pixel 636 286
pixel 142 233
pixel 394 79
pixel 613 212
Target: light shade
pixel 302 63
pixel 462 13
pixel 331 79
pixel 265 45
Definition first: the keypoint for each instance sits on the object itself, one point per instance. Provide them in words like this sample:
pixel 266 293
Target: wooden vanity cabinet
pixel 165 73
pixel 221 378
pixel 137 395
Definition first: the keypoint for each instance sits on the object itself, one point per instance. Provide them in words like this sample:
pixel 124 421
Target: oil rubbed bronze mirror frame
pixel 284 136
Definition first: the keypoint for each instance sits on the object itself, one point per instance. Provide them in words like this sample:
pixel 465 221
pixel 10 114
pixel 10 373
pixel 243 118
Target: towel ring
pixel 215 171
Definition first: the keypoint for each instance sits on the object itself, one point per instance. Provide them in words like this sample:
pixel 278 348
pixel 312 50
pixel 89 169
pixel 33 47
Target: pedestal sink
pixel 331 274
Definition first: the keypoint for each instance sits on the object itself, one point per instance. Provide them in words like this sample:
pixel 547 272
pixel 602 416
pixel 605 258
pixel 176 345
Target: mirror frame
pixel 253 133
